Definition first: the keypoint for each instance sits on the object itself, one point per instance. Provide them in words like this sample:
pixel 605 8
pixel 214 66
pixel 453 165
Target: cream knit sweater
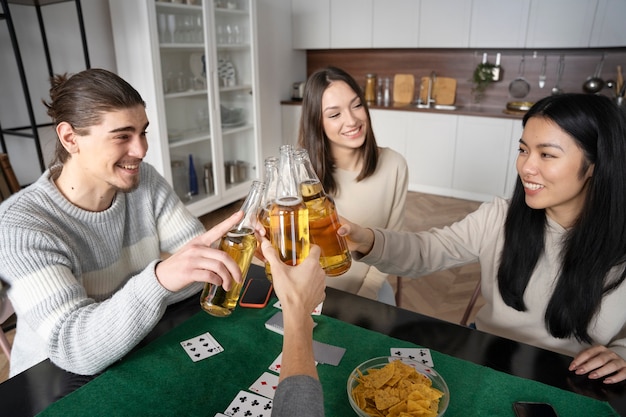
pixel 480 237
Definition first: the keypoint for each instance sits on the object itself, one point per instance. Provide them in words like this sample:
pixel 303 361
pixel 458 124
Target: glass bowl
pixel 378 363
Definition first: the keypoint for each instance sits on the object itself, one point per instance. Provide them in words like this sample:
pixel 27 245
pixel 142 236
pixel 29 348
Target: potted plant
pixel 482 78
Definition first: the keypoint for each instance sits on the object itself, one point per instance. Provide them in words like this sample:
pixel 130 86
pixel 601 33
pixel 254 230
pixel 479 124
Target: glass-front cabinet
pixel 194 63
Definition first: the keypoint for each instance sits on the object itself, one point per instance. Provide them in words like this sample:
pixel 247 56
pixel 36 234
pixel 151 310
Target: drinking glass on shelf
pixel 198 29
pixel 230 35
pixel 237 34
pixel 162 27
pixel 171 27
pixel 221 38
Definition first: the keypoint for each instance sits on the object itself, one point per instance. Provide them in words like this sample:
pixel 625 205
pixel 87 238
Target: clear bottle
pixel 289 216
pixel 239 243
pixel 271 183
pixel 323 219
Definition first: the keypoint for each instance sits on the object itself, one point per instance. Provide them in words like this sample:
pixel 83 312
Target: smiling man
pixel 81 247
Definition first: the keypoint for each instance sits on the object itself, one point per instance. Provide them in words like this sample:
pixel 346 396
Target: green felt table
pixel 161 380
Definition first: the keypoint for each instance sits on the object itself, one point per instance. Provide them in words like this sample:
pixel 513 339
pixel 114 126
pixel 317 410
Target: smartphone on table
pixel 533 409
pixel 256 293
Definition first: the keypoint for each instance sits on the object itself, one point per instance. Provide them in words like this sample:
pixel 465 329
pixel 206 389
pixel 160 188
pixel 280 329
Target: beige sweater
pixel 480 237
pixel 377 201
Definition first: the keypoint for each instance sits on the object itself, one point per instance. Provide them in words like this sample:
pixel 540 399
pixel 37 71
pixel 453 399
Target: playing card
pixel 327 354
pixel 420 355
pixel 275 366
pixel 316 312
pixel 265 385
pixel 249 404
pixel 220 415
pixel 201 347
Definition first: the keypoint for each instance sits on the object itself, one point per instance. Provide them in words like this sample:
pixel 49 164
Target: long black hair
pixel 597 241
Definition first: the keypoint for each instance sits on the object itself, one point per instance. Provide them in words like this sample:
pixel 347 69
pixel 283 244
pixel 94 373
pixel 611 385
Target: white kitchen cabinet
pixel 290 123
pixel 351 24
pixel 195 66
pixel 511 176
pixel 444 23
pixel 310 24
pixel 560 23
pixel 497 23
pixel 482 156
pixel 390 128
pixel 430 149
pixel 608 25
pixel 395 24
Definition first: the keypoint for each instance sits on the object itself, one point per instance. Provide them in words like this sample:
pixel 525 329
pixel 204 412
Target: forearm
pixel 298 357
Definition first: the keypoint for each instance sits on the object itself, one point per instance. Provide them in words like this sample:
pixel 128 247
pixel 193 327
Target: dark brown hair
pixel 312 136
pixel 82 98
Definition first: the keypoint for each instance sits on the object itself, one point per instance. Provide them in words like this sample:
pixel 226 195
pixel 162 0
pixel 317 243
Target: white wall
pixel 64 42
pixel 279 66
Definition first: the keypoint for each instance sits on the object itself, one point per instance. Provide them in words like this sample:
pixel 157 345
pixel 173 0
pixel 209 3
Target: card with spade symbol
pixel 201 347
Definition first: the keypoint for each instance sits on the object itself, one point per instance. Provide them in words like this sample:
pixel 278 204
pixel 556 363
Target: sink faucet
pixel 431 84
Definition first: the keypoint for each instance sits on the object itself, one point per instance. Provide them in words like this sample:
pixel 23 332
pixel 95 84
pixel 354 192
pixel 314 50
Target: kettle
pixel 297 91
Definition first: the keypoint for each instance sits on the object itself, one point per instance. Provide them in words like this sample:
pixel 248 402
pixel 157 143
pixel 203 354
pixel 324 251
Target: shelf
pixel 188 141
pixel 6 17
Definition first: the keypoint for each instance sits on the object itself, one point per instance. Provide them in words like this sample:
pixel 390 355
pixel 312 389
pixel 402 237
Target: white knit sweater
pixel 83 283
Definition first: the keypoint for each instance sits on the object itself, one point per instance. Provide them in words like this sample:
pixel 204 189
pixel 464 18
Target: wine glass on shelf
pixel 162 27
pixel 171 27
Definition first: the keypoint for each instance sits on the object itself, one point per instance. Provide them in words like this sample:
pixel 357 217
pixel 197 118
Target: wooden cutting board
pixel 403 88
pixel 444 90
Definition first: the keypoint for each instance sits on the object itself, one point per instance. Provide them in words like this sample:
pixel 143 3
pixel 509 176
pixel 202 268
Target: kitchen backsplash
pixel 579 64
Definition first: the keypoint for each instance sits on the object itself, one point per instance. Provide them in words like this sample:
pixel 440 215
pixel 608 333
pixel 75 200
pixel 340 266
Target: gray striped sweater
pixel 82 283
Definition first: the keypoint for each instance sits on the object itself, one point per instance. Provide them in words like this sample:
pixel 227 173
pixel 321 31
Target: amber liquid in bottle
pixel 239 245
pixel 323 225
pixel 264 219
pixel 289 229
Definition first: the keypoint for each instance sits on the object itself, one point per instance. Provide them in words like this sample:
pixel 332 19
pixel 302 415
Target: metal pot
pixel 235 171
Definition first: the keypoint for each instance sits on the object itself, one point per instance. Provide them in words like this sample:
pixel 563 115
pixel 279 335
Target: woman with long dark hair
pixel 336 130
pixel 553 256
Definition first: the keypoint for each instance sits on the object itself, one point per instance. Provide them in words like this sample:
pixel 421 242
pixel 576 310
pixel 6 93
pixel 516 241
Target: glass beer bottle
pixel 271 182
pixel 239 243
pixel 289 216
pixel 323 219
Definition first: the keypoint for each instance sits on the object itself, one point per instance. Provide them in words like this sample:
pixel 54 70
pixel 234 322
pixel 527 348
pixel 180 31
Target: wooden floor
pixel 443 295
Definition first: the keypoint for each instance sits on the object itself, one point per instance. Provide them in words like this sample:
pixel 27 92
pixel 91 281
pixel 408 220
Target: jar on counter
pixel 370 87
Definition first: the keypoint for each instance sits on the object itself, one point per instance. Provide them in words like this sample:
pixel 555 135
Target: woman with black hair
pixel 553 256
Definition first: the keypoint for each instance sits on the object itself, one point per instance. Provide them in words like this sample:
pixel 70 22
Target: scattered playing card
pixel 316 312
pixel 275 323
pixel 328 354
pixel 249 404
pixel 420 355
pixel 201 347
pixel 265 385
pixel 220 415
pixel 275 366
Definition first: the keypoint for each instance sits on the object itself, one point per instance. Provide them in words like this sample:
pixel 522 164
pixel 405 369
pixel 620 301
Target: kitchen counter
pixel 470 110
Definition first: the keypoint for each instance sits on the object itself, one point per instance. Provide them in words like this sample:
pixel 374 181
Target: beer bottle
pixel 289 217
pixel 323 219
pixel 271 183
pixel 239 243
